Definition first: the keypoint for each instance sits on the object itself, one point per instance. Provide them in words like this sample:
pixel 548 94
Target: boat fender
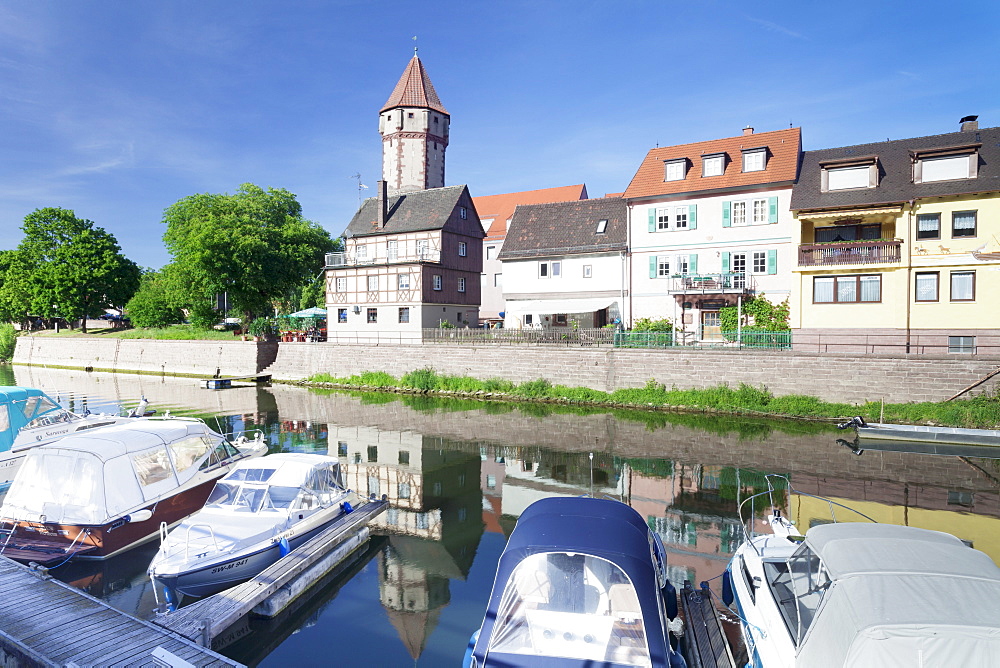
pixel 283 546
pixel 670 599
pixel 677 660
pixel 348 508
pixel 727 587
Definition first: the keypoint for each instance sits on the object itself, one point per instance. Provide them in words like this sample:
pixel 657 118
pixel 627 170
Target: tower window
pixel 410 115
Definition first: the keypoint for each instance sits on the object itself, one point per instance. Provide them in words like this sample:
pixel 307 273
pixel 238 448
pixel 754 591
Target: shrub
pixel 8 341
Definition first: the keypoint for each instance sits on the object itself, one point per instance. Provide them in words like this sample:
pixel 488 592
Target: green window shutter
pixel 652 219
pixel 726 220
pixel 652 266
pixel 772 209
pixel 725 262
pixel 772 261
pixel 693 217
pixel 692 264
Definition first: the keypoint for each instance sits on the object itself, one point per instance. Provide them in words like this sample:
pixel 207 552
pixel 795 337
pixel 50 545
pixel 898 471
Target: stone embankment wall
pixel 853 379
pixel 194 358
pixel 848 378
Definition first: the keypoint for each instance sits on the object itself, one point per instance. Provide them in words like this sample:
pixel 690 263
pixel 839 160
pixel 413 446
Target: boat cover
pixel 901 596
pixel 18 407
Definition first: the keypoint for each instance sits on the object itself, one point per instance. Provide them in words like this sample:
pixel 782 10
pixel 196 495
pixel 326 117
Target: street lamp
pixel 55 309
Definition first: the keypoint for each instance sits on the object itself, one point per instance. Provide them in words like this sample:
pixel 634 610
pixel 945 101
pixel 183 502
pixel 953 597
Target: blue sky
pixel 119 109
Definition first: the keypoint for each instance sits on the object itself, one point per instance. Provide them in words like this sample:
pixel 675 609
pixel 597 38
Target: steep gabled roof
pixel 566 228
pixel 895 180
pixel 414 89
pixel 782 164
pixel 411 212
pixel 501 207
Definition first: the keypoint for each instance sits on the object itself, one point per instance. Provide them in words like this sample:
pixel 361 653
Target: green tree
pixel 254 245
pixel 67 267
pixel 155 304
pixel 759 315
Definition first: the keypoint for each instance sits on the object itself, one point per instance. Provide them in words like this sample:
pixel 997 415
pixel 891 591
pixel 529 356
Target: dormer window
pixel 754 159
pixel 945 164
pixel 850 174
pixel 602 226
pixel 713 165
pixel 675 170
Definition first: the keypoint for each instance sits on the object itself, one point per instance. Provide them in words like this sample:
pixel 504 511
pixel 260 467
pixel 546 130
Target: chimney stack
pixel 383 203
pixel 747 131
pixel 970 123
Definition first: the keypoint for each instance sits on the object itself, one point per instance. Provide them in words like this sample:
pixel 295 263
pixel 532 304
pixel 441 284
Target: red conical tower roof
pixel 415 90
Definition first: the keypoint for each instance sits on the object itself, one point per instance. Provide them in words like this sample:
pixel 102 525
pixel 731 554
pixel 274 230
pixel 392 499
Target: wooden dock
pixel 45 622
pixel 705 645
pixel 223 382
pixel 278 585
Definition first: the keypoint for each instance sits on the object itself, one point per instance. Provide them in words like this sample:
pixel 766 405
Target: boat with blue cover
pixel 581 582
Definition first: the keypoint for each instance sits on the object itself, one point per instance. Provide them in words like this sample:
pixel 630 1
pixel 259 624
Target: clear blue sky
pixel 118 109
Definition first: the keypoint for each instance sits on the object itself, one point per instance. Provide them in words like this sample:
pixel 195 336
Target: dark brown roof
pixel 566 228
pixel 783 148
pixel 895 182
pixel 416 211
pixel 414 89
pixel 501 207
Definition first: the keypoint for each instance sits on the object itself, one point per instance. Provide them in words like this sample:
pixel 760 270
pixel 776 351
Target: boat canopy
pixel 96 476
pixel 580 579
pixel 18 407
pixel 281 480
pixel 886 595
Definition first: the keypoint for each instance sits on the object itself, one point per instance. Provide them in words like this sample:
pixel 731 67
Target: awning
pixel 560 305
pixel 849 213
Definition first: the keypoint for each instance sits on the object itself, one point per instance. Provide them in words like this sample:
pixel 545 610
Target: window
pixel 342 284
pixel 403 490
pixel 491 481
pixel 663 218
pixel 760 262
pixel 672 218
pixel 373 315
pixel 556 269
pixel 462 249
pixel 549 269
pixel 926 288
pixel 963 224
pixel 588 271
pixel 847 178
pixel 929 226
pixel 373 487
pixel 341 448
pixel 372 453
pixel 423 248
pixel 342 315
pixel 528 319
pixel 847 289
pixel 560 320
pixel 373 282
pixel 437 281
pixel 361 251
pixel 739 215
pixel 762 211
pixel 713 165
pixel 392 250
pixel 945 168
pixel 463 212
pixel 753 160
pixel 404 314
pixel 497 280
pixel 759 211
pixel 461 285
pixel 404 457
pixel 602 226
pixel 403 282
pixel 963 286
pixel 662 266
pixel 675 170
pixel 961 344
pixel 491 252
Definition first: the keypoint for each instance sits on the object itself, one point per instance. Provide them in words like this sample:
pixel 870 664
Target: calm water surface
pixel 459 473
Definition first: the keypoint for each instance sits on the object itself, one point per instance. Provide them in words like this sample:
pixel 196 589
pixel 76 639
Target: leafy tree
pixel 67 267
pixel 650 325
pixel 254 245
pixel 759 315
pixel 154 305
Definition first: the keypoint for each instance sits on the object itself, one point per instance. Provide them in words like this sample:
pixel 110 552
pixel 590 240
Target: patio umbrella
pixel 314 312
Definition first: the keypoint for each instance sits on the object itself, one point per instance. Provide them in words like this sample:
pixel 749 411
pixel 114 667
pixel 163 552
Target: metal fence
pixel 552 336
pixel 702 339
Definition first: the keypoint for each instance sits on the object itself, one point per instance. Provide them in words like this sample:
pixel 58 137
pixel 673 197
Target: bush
pixel 262 327
pixel 8 341
pixel 151 306
pixel 650 325
pixel 420 379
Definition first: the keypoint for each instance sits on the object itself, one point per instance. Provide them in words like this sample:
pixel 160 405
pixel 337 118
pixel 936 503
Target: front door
pixel 711 327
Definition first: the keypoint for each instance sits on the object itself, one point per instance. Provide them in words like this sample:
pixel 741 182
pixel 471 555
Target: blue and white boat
pixel 256 514
pixel 582 582
pixel 863 594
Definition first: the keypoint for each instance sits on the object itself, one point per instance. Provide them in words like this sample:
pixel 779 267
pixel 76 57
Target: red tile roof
pixel 415 89
pixel 782 164
pixel 501 207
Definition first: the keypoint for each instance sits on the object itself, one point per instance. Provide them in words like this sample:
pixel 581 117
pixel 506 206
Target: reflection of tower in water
pixel 434 521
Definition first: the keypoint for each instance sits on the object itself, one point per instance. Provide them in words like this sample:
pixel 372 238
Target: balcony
pixel 338 260
pixel 707 284
pixel 873 251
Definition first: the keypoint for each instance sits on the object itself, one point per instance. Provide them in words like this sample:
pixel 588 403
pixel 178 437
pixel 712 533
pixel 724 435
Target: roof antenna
pixel 361 187
pixel 414 46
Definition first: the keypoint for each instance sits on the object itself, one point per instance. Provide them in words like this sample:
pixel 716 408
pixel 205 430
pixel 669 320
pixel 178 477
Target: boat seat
pixel 624 603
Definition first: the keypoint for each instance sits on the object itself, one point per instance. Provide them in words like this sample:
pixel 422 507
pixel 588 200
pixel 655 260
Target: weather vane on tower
pixel 414 45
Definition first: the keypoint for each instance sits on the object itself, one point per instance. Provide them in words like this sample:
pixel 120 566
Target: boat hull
pixel 927 434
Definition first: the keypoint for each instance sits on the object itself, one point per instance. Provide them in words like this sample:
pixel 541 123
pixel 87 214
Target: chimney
pixel 970 123
pixel 747 131
pixel 383 203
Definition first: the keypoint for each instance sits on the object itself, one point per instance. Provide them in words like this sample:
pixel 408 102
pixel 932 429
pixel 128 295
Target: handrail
pixel 187 539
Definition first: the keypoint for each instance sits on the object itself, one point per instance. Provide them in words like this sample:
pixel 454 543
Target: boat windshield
pixel 810 582
pixel 56 416
pixel 571 606
pixel 254 497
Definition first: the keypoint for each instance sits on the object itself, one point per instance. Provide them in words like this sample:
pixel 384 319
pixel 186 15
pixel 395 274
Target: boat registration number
pixel 232 564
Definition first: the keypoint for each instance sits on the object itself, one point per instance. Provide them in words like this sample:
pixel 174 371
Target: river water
pixel 459 473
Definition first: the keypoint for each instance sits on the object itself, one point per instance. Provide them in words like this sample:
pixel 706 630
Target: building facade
pixel 710 225
pixel 899 246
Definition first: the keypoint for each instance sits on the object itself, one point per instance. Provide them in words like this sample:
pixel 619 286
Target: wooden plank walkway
pixel 227 381
pixel 705 642
pixel 46 622
pixel 204 620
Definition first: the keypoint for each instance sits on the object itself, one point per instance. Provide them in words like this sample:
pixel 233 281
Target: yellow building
pixel 899 247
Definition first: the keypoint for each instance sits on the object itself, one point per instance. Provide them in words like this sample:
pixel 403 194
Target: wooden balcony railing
pixel 850 252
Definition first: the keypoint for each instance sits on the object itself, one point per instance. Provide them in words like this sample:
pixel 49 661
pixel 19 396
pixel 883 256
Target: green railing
pixel 755 340
pixel 644 339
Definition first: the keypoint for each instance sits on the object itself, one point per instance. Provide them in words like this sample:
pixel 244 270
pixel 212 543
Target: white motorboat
pixel 29 418
pixel 255 515
pixel 100 492
pixel 863 594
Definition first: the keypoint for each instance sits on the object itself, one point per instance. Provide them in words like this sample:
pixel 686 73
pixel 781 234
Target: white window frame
pixel 402 281
pixel 373 283
pixel 759 259
pixel 461 284
pixel 663 266
pixel 463 212
pixel 341 284
pixel 755 161
pixel 602 226
pixel 946 167
pixel 675 170
pixel 462 249
pixel 713 165
pixel 556 269
pixel 588 271
pixel 760 216
pixel 738 216
pixel 392 250
pixel 849 177
pixel 423 248
pixel 672 218
pixel 491 252
pixel 404 314
pixel 361 251
pixel 662 218
pixel 497 280
pixel 437 281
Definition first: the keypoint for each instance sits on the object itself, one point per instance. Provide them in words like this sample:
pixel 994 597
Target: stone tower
pixel 414 128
